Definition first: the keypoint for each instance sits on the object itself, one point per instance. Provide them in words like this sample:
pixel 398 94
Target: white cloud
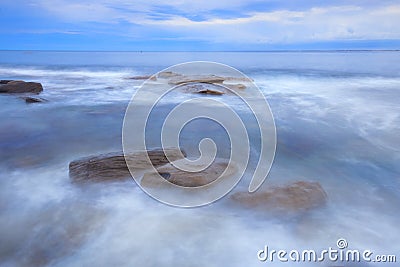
pixel 351 22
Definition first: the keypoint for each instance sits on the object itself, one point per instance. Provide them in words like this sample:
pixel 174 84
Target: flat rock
pixel 296 197
pixel 187 179
pixel 16 87
pixel 143 77
pixel 112 166
pixel 168 75
pixel 236 79
pixel 196 79
pixel 200 88
pixel 210 92
pixel 238 86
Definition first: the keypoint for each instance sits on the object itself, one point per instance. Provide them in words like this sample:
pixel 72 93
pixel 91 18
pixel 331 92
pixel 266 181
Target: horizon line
pixel 205 51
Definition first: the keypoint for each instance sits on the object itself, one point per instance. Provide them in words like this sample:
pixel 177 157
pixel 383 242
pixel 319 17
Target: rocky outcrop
pixel 187 179
pixel 196 79
pixel 17 87
pixel 112 166
pixel 296 197
pixel 193 81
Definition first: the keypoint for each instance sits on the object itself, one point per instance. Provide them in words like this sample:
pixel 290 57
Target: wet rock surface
pixel 208 89
pixel 196 79
pixel 200 83
pixel 187 179
pixel 113 167
pixel 17 87
pixel 143 77
pixel 30 99
pixel 295 197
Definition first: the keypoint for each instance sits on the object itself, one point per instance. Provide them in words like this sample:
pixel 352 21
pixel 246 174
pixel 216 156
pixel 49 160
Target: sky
pixel 199 25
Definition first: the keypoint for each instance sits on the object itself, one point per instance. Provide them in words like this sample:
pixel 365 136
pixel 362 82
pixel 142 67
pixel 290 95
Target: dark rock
pixel 5 81
pixel 15 87
pixel 210 92
pixel 30 99
pixel 112 166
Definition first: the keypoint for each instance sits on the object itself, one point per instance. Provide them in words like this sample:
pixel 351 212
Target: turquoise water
pixel 337 116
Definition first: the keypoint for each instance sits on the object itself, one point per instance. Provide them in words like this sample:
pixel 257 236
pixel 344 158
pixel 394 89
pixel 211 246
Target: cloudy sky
pixel 178 25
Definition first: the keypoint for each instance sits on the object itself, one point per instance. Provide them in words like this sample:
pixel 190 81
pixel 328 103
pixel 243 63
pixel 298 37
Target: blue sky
pixel 178 25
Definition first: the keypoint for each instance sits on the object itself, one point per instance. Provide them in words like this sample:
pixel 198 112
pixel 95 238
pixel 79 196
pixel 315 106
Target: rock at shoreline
pixel 296 197
pixel 199 83
pixel 30 99
pixel 143 77
pixel 187 179
pixel 199 88
pixel 238 86
pixel 17 87
pixel 168 74
pixel 210 92
pixel 112 166
pixel 196 79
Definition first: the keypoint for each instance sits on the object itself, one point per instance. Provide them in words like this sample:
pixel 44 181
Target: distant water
pixel 338 123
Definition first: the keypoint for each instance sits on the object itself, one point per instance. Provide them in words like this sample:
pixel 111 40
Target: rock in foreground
pixel 17 87
pixel 187 179
pixel 296 197
pixel 112 166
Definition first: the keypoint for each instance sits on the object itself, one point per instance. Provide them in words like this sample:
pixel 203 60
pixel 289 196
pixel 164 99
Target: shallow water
pixel 337 119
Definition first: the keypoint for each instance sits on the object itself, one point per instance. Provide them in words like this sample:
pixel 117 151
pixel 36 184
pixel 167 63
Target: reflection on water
pixel 337 121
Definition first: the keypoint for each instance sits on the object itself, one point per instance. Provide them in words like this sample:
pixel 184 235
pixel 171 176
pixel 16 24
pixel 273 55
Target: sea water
pixel 337 116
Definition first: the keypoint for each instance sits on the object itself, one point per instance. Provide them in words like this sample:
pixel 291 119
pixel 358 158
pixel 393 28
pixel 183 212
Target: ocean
pixel 337 117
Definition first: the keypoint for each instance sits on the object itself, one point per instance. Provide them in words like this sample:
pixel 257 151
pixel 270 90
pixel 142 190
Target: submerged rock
pixel 296 197
pixel 30 99
pixel 112 166
pixel 16 87
pixel 143 77
pixel 59 231
pixel 187 179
